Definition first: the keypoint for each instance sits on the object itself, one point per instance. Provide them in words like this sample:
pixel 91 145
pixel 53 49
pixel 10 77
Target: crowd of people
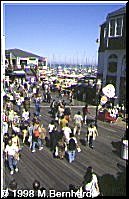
pixel 111 113
pixel 21 126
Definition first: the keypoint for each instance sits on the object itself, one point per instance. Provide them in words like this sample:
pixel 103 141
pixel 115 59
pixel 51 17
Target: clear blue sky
pixel 61 32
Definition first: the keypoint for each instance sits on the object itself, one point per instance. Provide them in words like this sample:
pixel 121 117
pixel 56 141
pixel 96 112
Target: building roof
pixel 20 53
pixel 118 12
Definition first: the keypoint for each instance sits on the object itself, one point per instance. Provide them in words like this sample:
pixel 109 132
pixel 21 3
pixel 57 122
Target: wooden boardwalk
pixel 59 174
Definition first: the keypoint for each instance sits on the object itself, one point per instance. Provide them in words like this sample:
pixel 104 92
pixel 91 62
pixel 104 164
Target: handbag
pixel 56 151
pixel 78 149
pixel 30 138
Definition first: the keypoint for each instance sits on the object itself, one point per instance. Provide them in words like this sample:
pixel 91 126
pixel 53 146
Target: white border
pixel 3 42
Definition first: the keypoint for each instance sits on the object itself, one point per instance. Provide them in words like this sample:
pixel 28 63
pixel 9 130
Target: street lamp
pixel 98 89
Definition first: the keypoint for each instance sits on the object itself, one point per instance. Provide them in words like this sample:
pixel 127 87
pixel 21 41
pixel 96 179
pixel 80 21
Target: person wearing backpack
pixel 36 137
pixel 71 148
pixel 90 183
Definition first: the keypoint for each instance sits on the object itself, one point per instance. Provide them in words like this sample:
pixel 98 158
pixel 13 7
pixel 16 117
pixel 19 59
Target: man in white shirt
pixel 67 131
pixel 25 115
pixel 92 132
pixel 78 121
pixel 10 151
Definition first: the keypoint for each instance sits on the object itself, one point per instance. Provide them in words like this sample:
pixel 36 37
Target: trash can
pixel 124 150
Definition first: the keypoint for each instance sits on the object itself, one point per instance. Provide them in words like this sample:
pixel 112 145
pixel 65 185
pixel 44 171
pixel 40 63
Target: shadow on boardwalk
pixel 111 186
pixel 117 147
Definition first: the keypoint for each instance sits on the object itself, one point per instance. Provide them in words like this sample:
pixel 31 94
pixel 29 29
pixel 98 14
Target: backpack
pixel 72 144
pixel 36 133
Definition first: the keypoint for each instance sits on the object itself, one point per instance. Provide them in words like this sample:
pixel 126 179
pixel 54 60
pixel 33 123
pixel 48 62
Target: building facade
pixel 112 53
pixel 17 58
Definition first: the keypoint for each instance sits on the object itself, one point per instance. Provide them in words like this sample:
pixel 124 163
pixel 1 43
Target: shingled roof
pixel 117 12
pixel 20 53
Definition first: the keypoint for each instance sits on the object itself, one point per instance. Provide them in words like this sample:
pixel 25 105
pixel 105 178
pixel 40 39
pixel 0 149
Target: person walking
pixel 25 115
pixel 11 154
pixel 37 104
pixel 52 108
pixel 67 131
pixel 15 140
pixel 85 112
pixel 36 137
pixel 63 122
pixel 43 134
pixel 53 138
pixel 60 147
pixel 71 147
pixel 78 121
pixel 92 132
pixel 30 132
pixel 90 183
pixel 24 131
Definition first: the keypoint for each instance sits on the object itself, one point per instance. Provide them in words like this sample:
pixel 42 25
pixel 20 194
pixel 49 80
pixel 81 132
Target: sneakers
pixel 40 148
pixel 33 151
pixel 91 146
pixel 16 170
pixel 11 172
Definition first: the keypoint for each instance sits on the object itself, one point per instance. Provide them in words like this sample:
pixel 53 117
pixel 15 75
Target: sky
pixel 63 32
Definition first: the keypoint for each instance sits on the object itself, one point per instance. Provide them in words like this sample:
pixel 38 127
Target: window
pixel 113 56
pixel 32 58
pixel 105 32
pixel 115 27
pixel 112 67
pixel 112 63
pixel 112 27
pixel 119 26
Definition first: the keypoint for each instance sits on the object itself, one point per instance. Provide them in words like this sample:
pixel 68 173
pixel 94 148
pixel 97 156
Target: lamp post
pixel 98 89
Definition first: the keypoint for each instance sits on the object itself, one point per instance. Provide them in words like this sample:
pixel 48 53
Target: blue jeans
pixel 12 162
pixel 36 142
pixel 71 155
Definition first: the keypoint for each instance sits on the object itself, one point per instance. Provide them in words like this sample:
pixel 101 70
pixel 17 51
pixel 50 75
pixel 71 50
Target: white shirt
pixel 19 102
pixel 25 115
pixel 51 127
pixel 78 118
pixel 92 132
pixel 34 90
pixel 16 129
pixel 5 127
pixel 91 186
pixel 11 150
pixel 67 132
